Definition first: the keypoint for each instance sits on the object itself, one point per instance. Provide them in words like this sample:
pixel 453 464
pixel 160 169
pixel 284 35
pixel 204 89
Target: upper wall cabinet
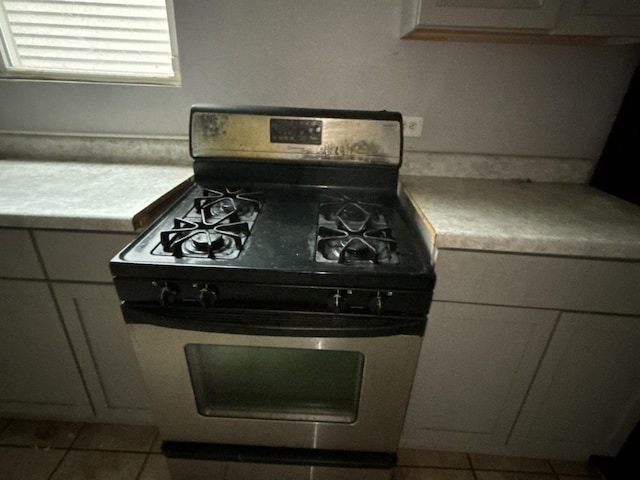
pixel 600 17
pixel 536 21
pixel 539 14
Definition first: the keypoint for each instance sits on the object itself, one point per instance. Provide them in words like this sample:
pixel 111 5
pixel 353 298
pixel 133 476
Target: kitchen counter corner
pixel 524 217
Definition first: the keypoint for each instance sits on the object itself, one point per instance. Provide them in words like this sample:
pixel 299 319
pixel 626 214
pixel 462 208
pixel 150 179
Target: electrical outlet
pixel 412 126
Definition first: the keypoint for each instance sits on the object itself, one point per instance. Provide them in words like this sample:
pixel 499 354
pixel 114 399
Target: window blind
pixel 89 38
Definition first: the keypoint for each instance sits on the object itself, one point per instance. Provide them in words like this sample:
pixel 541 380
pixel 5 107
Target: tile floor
pixel 44 450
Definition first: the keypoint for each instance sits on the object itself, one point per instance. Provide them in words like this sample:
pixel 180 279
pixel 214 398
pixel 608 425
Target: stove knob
pixel 167 296
pixel 375 304
pixel 337 302
pixel 207 297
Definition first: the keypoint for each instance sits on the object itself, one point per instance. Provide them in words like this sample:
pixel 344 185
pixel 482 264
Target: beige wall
pixel 475 98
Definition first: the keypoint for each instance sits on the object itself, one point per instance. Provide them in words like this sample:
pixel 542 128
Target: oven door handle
pixel 271 322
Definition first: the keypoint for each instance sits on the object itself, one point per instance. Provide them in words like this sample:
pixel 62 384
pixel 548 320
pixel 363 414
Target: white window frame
pixel 23 73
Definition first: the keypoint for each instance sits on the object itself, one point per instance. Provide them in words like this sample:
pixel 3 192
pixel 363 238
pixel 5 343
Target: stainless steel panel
pixel 387 378
pixel 343 140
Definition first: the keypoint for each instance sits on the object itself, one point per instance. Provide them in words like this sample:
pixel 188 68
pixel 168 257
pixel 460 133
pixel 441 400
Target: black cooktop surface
pixel 278 234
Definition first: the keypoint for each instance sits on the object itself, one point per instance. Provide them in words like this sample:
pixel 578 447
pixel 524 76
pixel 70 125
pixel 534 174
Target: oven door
pixel 220 378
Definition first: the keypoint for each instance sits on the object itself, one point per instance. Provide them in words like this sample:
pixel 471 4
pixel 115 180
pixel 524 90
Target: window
pixel 275 383
pixel 130 41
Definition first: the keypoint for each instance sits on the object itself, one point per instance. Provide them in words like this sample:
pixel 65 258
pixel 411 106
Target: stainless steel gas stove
pixel 277 309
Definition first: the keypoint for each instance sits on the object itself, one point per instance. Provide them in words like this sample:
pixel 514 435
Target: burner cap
pixel 357 248
pixel 206 242
pixel 222 206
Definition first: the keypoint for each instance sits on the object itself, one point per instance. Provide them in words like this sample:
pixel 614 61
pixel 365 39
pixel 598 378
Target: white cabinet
pixel 512 14
pixel 91 314
pixel 101 341
pixel 475 367
pixel 79 256
pixel 528 21
pixel 560 283
pixel 64 349
pixel 586 396
pixel 509 365
pixel 600 17
pixel 39 377
pixel 18 257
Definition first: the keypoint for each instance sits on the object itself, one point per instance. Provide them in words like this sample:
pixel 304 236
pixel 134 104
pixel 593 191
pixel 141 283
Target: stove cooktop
pixel 281 246
pixel 281 232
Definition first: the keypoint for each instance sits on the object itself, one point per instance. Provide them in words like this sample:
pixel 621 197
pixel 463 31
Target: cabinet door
pixel 18 257
pixel 92 316
pixel 586 396
pixel 79 256
pixel 504 14
pixel 476 364
pixel 39 377
pixel 600 17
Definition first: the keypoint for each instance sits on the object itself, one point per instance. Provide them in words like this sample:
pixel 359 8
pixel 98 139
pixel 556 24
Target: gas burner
pixel 352 231
pixel 340 246
pixel 217 226
pixel 236 204
pixel 196 239
pixel 350 213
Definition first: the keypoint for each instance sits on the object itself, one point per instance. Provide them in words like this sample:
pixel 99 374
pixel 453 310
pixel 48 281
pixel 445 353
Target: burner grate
pixel 216 227
pixel 352 231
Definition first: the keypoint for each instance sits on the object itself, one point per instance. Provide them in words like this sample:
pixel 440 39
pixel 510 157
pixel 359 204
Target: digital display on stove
pixel 305 132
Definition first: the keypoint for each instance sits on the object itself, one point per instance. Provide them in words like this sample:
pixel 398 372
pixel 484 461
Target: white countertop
pixel 460 213
pixel 524 217
pixel 85 196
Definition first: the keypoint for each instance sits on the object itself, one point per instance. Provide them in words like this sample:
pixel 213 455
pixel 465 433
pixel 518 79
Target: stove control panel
pixel 294 298
pixel 304 132
pixel 337 302
pixel 167 295
pixel 207 296
pixel 354 301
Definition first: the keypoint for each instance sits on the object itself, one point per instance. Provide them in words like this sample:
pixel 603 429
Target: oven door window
pixel 275 383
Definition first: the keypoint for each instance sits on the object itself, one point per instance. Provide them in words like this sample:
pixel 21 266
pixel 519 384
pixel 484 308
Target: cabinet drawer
pixel 538 281
pixel 18 257
pixel 79 256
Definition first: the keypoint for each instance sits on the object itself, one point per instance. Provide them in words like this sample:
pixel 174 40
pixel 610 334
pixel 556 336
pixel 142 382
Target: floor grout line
pixel 108 450
pixel 78 435
pixel 144 464
pixel 53 472
pixel 473 470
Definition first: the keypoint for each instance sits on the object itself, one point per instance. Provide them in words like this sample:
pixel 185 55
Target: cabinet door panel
pixel 38 374
pixel 600 17
pixel 508 14
pixel 586 396
pixel 90 254
pixel 17 255
pixel 476 364
pixel 92 316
